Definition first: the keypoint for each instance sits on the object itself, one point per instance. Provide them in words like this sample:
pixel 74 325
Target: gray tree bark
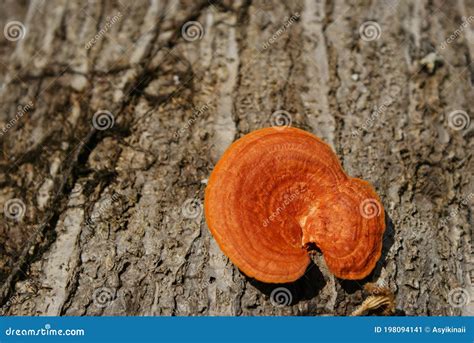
pixel 110 222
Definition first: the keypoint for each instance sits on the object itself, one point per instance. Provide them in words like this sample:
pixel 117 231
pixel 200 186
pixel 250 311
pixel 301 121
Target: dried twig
pixel 381 298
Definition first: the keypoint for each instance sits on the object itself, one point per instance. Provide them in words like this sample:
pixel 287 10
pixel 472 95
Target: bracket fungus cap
pixel 277 192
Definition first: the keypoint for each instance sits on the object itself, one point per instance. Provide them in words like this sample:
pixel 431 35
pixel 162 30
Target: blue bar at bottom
pixel 237 329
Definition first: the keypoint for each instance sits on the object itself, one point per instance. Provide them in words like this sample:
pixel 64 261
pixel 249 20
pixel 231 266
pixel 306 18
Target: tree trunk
pixel 113 115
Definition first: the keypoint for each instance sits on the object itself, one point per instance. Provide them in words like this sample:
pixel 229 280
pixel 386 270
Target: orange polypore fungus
pixel 275 193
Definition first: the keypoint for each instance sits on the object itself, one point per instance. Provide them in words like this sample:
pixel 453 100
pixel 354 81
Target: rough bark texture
pixel 113 221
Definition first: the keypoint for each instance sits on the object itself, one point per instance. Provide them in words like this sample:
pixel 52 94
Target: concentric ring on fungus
pixel 277 192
